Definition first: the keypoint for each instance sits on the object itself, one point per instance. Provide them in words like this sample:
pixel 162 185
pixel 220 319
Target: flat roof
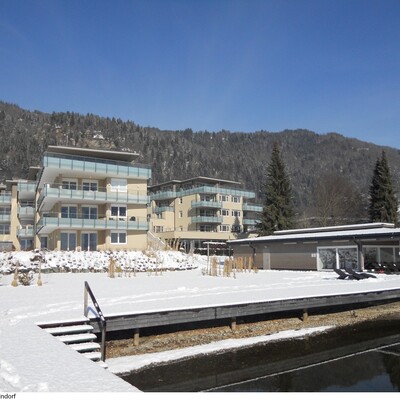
pixel 197 178
pixel 97 153
pixel 355 234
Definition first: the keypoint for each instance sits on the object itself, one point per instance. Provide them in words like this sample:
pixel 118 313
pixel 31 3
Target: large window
pixel 89 241
pixel 68 240
pixel 337 257
pixel 44 242
pixel 69 212
pixel 118 237
pixel 118 211
pixel 381 254
pixel 89 185
pixel 89 212
pixel 69 184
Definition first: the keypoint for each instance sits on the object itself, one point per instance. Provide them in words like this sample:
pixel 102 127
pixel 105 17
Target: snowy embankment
pixel 123 365
pixel 31 359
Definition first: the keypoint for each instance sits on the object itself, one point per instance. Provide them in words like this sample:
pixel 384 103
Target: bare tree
pixel 337 201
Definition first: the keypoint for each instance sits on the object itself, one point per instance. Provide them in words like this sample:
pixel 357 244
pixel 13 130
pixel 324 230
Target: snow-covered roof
pixel 320 235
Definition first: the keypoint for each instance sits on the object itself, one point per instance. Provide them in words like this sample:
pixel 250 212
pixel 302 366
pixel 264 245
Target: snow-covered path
pixel 32 360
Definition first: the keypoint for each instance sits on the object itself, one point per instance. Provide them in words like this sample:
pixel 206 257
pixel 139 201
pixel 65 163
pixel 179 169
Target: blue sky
pixel 322 65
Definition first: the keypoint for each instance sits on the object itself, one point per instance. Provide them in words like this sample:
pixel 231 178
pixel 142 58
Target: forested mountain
pixel 243 157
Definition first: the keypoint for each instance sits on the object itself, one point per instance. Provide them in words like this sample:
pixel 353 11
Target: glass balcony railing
pixel 92 164
pixel 26 211
pixel 206 204
pixel 100 195
pixel 157 210
pixel 207 220
pixel 252 207
pixel 247 221
pixel 140 224
pixel 202 190
pixel 169 194
pixel 5 198
pixel 6 217
pixel 29 186
pixel 26 231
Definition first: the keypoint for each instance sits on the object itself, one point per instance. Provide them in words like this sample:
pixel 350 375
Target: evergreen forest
pixel 325 171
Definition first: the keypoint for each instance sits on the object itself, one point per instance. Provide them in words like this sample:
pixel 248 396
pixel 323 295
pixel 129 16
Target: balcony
pixel 5 198
pixel 169 194
pixel 247 221
pixel 158 210
pixel 252 207
pixel 50 223
pixel 206 204
pixel 206 220
pixel 57 192
pixel 26 211
pixel 5 217
pixel 202 190
pixel 25 232
pixel 96 166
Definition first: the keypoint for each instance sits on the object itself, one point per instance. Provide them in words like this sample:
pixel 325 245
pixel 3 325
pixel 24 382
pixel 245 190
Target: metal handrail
pixel 88 290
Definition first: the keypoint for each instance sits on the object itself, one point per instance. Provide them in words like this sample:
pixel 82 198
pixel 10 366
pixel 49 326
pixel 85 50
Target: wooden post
pixel 136 337
pixel 233 324
pixel 305 315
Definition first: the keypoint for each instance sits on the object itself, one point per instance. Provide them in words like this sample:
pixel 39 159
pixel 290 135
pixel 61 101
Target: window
pixel 180 214
pixel 68 240
pixel 225 228
pixel 5 210
pixel 118 237
pixel 89 185
pixel 43 242
pixel 223 197
pixel 4 229
pixel 89 212
pixel 69 212
pixel 235 199
pixel 69 184
pixel 119 185
pixel 180 200
pixel 118 211
pixel 207 228
pixel 89 241
pixel 235 213
pixel 224 212
pixel 26 244
pixel 337 257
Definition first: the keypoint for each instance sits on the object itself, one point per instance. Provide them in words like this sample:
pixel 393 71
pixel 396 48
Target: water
pixel 365 358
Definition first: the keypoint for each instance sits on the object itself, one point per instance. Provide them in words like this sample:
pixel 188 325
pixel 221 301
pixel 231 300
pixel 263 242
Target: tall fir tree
pixel 277 211
pixel 383 205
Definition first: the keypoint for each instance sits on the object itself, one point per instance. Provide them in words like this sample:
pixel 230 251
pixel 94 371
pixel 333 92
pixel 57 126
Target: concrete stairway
pixel 78 335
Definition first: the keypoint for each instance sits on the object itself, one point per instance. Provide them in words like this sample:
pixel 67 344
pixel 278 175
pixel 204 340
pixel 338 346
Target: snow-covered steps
pixel 77 335
pixel 61 330
pixel 82 337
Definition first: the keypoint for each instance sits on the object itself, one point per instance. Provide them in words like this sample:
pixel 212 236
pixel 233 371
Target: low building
pixel 323 248
pixel 192 212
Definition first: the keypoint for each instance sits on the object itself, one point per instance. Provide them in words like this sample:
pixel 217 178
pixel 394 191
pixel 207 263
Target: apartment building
pixel 79 199
pixel 199 210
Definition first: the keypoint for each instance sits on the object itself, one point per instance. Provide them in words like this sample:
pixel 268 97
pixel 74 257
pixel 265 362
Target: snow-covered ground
pixel 32 360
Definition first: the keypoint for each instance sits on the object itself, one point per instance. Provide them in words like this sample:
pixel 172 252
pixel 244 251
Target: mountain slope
pixel 237 156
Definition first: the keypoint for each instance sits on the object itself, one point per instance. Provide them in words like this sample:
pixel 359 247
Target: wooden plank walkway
pixel 231 312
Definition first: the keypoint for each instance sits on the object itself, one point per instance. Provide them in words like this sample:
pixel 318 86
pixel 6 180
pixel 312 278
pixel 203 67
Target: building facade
pixel 195 211
pixel 79 199
pixel 326 248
